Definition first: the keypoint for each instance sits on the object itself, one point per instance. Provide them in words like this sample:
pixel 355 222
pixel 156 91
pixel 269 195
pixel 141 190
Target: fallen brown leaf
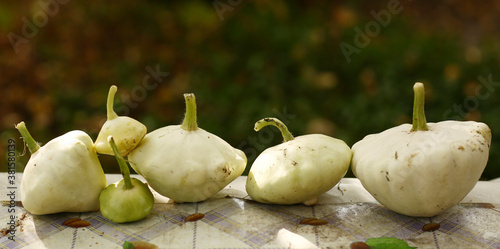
pixel 76 222
pixel 313 222
pixel 194 217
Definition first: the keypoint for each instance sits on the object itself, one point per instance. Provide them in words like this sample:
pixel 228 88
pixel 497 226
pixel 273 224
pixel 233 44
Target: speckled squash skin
pixel 422 173
pixel 186 166
pixel 298 170
pixel 127 132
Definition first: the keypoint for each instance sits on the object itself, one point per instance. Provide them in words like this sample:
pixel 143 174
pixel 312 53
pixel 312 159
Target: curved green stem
pixel 419 121
pixel 109 103
pixel 189 122
pixel 287 136
pixel 33 146
pixel 122 163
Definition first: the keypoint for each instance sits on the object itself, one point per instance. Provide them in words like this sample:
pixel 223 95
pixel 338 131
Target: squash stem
pixel 419 121
pixel 109 103
pixel 33 146
pixel 287 136
pixel 122 163
pixel 189 122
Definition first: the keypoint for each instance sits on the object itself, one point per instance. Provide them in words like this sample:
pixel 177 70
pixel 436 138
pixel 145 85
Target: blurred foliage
pixel 265 58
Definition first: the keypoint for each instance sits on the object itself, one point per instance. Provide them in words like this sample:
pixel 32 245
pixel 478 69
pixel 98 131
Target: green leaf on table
pixel 387 243
pixel 128 245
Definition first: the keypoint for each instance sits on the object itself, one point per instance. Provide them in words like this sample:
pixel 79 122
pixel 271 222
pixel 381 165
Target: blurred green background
pixel 246 60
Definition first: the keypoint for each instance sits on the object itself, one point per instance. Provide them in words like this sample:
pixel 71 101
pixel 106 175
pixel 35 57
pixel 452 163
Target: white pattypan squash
pixel 186 163
pixel 62 176
pixel 422 170
pixel 127 132
pixel 298 170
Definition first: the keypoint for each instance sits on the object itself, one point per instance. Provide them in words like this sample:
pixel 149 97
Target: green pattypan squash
pixel 127 200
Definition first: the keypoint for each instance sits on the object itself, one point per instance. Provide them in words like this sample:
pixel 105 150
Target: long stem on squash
pixel 122 163
pixel 33 146
pixel 287 136
pixel 109 103
pixel 419 121
pixel 189 122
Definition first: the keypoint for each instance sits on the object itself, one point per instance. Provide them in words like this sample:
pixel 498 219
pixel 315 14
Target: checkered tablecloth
pixel 232 220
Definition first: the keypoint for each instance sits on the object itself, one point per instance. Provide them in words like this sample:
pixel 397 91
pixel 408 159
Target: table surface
pixel 232 220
